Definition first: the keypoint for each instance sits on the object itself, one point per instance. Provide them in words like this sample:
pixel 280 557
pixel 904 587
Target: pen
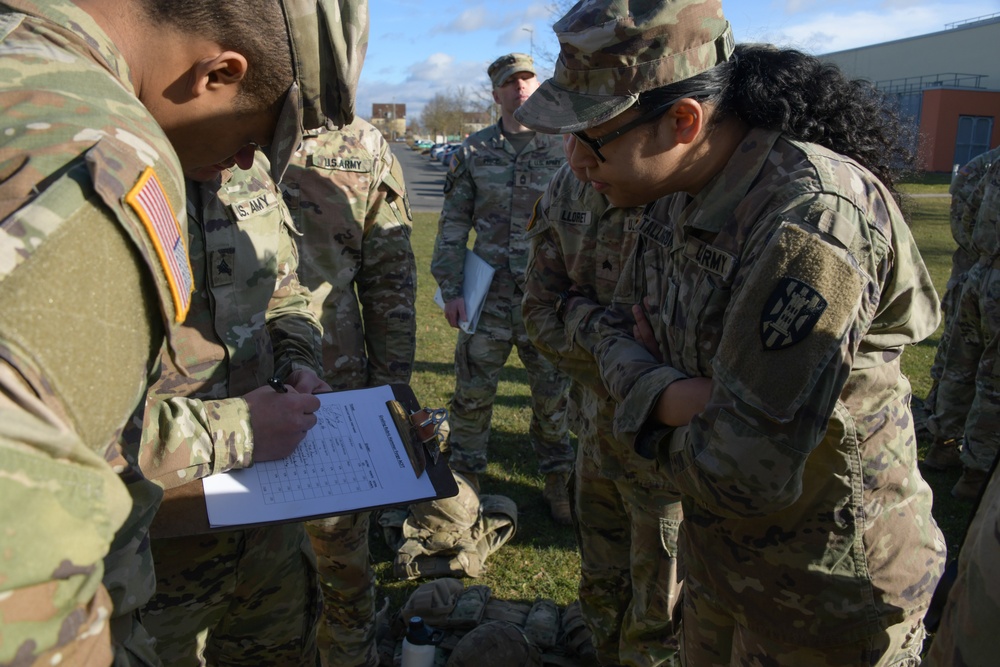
pixel 277 385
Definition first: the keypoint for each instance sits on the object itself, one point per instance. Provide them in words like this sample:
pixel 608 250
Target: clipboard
pixel 184 510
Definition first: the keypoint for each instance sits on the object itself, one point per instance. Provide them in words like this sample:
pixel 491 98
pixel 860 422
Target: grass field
pixel 541 560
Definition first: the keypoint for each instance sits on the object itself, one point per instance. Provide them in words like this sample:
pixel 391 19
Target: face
pixel 513 93
pixel 637 164
pixel 208 143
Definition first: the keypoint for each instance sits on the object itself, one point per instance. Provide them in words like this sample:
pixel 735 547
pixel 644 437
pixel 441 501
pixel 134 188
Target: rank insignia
pixel 789 314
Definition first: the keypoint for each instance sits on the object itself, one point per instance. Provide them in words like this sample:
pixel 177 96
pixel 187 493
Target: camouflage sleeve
pixel 184 439
pixel 457 220
pixel 60 505
pixel 387 281
pixel 295 332
pixel 547 280
pixel 744 455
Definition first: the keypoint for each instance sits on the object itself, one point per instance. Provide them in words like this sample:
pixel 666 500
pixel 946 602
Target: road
pixel 424 178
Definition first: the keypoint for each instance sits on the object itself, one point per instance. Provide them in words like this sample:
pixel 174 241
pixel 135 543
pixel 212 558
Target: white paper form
pixel 353 459
pixel 476 279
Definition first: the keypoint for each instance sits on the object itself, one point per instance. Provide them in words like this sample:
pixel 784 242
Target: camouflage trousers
pixel 629 577
pixel 949 312
pixel 347 631
pixel 970 622
pixel 236 598
pixel 710 637
pixel 968 396
pixel 479 358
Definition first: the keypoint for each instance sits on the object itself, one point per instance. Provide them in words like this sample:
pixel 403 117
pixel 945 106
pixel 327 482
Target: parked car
pixel 422 145
pixel 448 151
pixel 435 151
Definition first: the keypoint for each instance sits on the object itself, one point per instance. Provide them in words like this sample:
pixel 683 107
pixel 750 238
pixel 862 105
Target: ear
pixel 214 73
pixel 688 118
pixel 496 98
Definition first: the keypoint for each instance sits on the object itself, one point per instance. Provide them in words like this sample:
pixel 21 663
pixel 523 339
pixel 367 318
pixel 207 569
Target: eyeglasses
pixel 652 114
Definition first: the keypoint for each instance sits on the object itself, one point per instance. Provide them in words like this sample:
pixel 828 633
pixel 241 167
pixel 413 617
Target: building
pixel 390 119
pixel 948 82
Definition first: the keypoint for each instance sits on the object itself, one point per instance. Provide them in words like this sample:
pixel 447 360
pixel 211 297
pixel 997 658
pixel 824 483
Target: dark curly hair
pixel 806 99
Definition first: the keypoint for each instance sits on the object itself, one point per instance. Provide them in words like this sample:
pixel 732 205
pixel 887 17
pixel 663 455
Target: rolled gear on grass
pixel 450 536
pixel 478 629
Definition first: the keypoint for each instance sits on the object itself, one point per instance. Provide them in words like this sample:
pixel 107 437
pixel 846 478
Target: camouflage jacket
pixel 966 197
pixel 345 191
pixel 92 274
pixel 492 190
pixel 249 320
pixel 793 282
pixel 578 241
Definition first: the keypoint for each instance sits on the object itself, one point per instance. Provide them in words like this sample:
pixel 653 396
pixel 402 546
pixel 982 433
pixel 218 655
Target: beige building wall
pixel 972 48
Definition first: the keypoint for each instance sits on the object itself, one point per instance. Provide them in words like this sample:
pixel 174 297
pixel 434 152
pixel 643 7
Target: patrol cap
pixel 328 40
pixel 506 66
pixel 610 51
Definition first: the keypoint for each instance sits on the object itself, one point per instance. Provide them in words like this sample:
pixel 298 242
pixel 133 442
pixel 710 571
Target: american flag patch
pixel 151 205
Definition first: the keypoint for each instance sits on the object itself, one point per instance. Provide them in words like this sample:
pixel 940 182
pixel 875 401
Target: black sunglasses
pixel 652 114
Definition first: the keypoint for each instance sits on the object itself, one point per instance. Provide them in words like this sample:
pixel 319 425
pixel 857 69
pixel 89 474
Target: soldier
pixel 968 398
pixel 969 624
pixel 947 418
pixel 94 236
pixel 234 597
pixel 778 282
pixel 494 181
pixel 627 517
pixel 345 191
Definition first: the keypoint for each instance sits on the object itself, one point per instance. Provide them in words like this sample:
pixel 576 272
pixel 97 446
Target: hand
pixel 454 312
pixel 643 331
pixel 305 381
pixel 279 422
pixel 682 400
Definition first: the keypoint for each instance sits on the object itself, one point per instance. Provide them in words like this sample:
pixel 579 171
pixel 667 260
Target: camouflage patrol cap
pixel 613 50
pixel 506 66
pixel 328 41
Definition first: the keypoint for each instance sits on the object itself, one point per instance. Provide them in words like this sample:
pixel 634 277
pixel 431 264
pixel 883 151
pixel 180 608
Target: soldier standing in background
pixel 495 179
pixel 627 516
pixel 947 416
pixel 969 623
pixel 96 279
pixel 346 194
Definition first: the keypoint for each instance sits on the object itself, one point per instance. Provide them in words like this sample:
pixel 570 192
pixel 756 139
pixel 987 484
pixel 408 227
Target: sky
pixel 418 48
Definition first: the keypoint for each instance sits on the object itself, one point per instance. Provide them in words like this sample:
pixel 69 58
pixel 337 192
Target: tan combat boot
pixel 556 494
pixel 969 484
pixel 943 455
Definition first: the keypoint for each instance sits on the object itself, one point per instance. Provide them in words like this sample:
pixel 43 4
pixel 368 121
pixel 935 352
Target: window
pixel 973 137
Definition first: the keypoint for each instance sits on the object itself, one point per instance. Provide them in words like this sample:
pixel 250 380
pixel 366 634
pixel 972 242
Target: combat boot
pixel 556 494
pixel 969 484
pixel 942 455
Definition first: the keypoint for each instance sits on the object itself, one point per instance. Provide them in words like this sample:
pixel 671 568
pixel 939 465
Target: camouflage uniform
pixel 969 391
pixel 86 302
pixel 793 282
pixel 969 625
pixel 962 218
pixel 345 190
pixel 234 597
pixel 491 189
pixel 627 517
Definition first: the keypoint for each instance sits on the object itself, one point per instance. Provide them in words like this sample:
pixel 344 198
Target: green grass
pixel 541 560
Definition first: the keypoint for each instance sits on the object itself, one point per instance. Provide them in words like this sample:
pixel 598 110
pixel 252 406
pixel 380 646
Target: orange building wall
pixel 939 123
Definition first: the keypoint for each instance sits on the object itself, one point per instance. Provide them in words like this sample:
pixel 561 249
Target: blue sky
pixel 418 48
